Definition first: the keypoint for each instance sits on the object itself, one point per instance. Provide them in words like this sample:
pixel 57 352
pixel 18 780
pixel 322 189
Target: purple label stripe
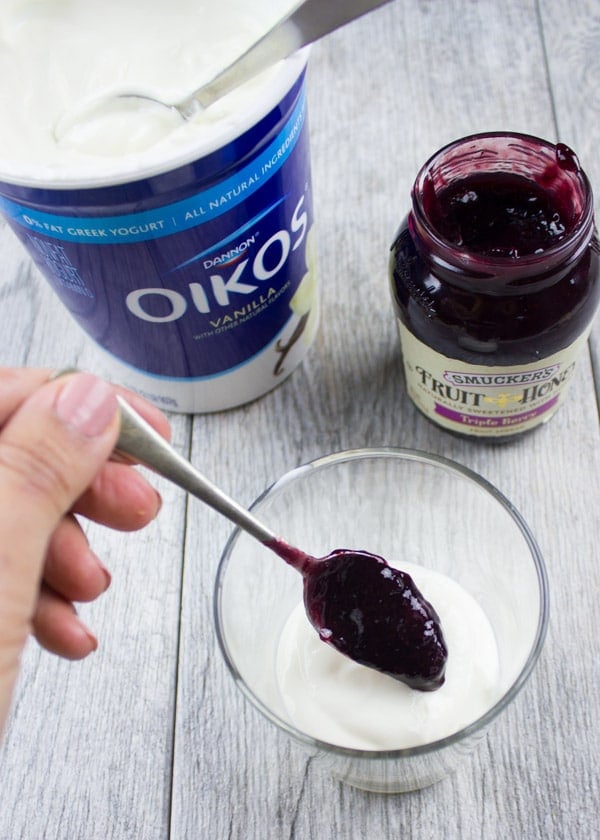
pixel 493 422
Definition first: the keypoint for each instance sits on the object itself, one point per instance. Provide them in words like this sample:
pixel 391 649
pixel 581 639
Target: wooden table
pixel 150 739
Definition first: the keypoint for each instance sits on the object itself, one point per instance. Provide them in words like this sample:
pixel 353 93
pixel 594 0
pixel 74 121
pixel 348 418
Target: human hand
pixel 56 438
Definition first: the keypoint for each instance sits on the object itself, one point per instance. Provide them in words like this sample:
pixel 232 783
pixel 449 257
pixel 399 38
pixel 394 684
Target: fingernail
pixel 106 574
pixel 143 513
pixel 92 640
pixel 87 404
pixel 159 503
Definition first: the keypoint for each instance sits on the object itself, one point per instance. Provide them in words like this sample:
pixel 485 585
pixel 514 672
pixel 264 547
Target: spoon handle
pixel 138 440
pixel 306 23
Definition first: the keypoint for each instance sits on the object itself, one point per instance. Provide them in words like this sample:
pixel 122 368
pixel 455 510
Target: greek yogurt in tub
pixel 185 250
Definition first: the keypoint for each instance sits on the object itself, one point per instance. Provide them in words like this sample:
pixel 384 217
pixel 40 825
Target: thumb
pixel 50 450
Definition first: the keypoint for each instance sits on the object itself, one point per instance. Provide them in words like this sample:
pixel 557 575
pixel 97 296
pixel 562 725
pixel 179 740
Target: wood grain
pixel 151 739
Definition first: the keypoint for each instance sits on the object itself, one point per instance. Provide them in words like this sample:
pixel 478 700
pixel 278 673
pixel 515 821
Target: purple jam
pixel 484 291
pixel 494 280
pixel 372 613
pixel 497 215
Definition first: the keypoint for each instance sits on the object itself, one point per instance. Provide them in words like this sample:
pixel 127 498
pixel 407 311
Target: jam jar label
pixel 486 401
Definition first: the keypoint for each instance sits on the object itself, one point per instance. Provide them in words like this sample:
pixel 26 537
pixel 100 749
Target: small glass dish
pixel 405 506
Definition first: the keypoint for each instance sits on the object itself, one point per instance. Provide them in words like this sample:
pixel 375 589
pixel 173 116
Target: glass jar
pixel 494 280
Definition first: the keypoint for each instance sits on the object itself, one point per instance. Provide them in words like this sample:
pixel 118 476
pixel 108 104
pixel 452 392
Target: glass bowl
pixel 409 507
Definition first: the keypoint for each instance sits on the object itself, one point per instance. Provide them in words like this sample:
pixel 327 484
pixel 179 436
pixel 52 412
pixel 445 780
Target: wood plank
pixel 571 38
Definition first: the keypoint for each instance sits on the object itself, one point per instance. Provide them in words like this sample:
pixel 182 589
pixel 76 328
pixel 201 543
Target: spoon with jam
pixel 358 603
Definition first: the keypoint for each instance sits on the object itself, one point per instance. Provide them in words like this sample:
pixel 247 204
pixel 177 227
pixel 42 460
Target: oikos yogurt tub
pixel 184 249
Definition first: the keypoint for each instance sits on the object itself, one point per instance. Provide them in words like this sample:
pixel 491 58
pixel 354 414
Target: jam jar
pixel 495 282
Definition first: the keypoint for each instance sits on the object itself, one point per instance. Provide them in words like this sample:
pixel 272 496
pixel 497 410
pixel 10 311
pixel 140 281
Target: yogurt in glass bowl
pixel 470 554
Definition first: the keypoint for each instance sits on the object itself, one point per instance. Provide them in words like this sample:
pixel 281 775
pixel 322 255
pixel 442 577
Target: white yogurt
pixel 333 699
pixel 56 55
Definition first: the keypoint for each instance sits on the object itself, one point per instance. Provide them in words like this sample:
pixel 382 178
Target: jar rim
pixel 525 265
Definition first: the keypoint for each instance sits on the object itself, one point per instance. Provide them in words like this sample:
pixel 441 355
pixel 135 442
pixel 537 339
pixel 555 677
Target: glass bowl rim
pixel 406 454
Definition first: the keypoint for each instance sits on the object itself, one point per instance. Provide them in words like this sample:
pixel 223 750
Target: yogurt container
pixel 185 251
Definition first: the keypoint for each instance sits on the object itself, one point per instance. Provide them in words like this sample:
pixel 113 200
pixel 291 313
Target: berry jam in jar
pixel 495 282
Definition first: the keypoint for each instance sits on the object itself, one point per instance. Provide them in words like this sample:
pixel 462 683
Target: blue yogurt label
pixel 196 287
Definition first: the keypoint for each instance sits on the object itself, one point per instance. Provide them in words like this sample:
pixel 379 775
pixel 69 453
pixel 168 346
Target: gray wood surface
pixel 149 738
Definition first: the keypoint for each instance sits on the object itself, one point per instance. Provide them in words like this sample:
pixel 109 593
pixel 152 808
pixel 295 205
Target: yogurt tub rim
pixel 266 96
pixel 480 723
